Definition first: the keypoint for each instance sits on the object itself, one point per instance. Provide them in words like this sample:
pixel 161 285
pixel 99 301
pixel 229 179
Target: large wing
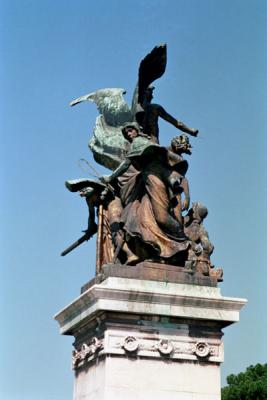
pixel 110 103
pixel 151 68
pixel 108 144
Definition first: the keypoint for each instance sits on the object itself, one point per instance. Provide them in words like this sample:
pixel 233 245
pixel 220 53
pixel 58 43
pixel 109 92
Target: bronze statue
pixel 201 248
pixel 146 180
pixel 140 205
pixel 147 115
pixel 108 146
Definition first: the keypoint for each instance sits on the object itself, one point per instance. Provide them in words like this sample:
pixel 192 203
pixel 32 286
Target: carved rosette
pixel 202 349
pixel 130 344
pixel 165 347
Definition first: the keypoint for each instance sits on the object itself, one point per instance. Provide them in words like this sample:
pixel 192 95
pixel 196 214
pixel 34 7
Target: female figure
pixel 146 182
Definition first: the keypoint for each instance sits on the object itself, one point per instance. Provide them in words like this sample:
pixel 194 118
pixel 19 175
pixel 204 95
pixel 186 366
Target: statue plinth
pixel 142 339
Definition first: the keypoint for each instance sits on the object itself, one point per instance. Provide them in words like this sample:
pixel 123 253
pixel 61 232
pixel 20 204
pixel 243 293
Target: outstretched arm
pixel 178 124
pixel 118 171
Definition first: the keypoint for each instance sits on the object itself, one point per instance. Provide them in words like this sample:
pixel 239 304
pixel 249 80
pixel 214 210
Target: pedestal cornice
pixel 150 298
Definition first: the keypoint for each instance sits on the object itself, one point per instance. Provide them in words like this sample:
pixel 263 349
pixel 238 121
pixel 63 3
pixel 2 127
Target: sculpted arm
pixel 118 171
pixel 175 122
pixel 186 201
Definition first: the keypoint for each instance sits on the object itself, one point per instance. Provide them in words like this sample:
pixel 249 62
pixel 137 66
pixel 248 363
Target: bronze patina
pixel 143 206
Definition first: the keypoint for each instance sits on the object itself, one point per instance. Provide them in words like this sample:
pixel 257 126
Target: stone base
pixel 152 271
pixel 142 339
pixel 139 379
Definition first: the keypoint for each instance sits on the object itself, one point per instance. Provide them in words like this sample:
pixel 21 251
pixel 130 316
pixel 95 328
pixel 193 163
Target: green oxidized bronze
pixel 143 205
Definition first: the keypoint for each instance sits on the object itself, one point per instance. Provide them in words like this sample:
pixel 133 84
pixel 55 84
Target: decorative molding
pixel 79 357
pixel 177 347
pixel 147 345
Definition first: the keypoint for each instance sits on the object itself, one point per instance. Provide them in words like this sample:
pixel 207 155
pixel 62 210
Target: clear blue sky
pixel 54 51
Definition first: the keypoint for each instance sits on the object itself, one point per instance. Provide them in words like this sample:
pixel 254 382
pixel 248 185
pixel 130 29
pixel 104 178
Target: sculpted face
pixel 181 144
pixel 131 133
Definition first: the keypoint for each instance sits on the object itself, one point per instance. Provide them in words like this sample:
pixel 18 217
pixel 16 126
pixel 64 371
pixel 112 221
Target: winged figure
pixel 140 204
pixel 108 144
pixel 152 67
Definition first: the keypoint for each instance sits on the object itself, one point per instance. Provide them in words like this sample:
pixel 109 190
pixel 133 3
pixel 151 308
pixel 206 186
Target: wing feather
pixel 152 67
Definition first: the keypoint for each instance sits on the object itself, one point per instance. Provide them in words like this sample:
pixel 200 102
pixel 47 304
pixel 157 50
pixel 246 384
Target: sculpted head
pixel 130 130
pixel 180 144
pixel 199 211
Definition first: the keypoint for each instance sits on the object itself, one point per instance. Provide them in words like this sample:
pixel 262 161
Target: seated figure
pixel 148 180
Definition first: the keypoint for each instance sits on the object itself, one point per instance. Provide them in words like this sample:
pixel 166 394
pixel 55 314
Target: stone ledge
pixel 152 298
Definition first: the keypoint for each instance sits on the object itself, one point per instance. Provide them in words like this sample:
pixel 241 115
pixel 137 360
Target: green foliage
pixel 248 385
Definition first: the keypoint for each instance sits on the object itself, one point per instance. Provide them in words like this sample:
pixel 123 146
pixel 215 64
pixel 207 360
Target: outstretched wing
pixel 110 103
pixel 151 68
pixel 108 144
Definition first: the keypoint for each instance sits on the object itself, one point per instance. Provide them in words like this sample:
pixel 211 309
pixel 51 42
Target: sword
pixel 73 246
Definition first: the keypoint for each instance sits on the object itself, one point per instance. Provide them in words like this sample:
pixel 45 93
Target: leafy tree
pixel 248 385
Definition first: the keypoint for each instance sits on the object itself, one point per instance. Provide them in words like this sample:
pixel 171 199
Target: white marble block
pixel 142 339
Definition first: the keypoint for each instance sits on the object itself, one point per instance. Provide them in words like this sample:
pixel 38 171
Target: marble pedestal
pixel 145 339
